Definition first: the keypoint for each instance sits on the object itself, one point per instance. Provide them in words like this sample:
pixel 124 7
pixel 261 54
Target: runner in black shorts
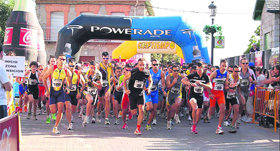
pixel 32 88
pixel 137 79
pixel 233 91
pixel 198 82
pixel 118 94
pixel 72 93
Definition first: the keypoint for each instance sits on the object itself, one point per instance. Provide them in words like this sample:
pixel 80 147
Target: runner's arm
pixel 46 76
pixel 126 77
pixel 213 75
pixel 162 82
pixel 168 84
pixel 186 81
pixel 82 80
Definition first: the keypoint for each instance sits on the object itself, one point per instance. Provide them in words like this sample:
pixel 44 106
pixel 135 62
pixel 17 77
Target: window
pixel 117 14
pixel 57 22
pixel 267 41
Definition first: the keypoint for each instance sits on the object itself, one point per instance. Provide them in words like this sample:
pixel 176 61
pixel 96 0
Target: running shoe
pixel 55 130
pixel 232 130
pixel 219 130
pixel 117 122
pixel 54 116
pixel 70 127
pixel 244 118
pixel 148 127
pixel 25 108
pixel 206 119
pixel 124 126
pixel 189 118
pixel 48 120
pixel 28 115
pixel 137 131
pixel 93 120
pixel 226 123
pixel 86 121
pixel 34 117
pixel 20 110
pixel 193 129
pixel 107 122
pixel 169 125
pixel 130 116
pixel 154 122
pixel 177 120
pixel 72 121
pixel 98 120
pixel 80 115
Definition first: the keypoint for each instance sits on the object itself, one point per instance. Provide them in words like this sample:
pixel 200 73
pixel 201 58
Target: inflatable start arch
pixel 86 27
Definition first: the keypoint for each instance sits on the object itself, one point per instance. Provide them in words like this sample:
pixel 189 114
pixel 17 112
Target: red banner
pixel 8 36
pixel 9 133
pixel 28 37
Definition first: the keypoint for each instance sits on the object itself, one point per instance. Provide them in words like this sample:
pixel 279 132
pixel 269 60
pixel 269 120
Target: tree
pixel 6 8
pixel 164 58
pixel 254 39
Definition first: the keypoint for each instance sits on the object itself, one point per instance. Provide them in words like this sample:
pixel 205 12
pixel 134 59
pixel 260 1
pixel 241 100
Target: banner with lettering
pixel 14 65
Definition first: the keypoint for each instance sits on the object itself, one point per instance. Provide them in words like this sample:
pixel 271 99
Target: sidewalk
pixel 37 136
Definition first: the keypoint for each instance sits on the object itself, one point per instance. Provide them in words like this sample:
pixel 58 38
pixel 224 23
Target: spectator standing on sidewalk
pixel 5 85
pixel 254 48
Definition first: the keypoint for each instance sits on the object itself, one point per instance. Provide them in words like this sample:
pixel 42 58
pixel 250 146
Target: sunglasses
pixel 230 71
pixel 165 70
pixel 236 71
pixel 105 58
pixel 176 70
pixel 245 63
pixel 62 59
pixel 155 64
pixel 71 66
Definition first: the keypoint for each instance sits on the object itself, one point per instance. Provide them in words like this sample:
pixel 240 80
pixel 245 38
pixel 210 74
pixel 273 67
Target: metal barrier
pixel 266 103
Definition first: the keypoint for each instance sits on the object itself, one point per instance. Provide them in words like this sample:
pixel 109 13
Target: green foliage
pixel 212 29
pixel 254 39
pixel 164 58
pixel 6 7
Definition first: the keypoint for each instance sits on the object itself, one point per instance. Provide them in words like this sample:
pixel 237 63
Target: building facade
pixel 268 12
pixel 55 14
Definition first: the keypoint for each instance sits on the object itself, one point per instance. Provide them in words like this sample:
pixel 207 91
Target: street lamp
pixel 213 10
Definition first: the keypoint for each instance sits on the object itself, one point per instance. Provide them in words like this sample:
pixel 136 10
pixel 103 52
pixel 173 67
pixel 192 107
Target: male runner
pixel 174 96
pixel 103 94
pixel 137 78
pixel 93 79
pixel 125 98
pixel 198 82
pixel 72 92
pixel 152 99
pixel 56 93
pixel 52 62
pixel 233 90
pixel 118 94
pixel 218 79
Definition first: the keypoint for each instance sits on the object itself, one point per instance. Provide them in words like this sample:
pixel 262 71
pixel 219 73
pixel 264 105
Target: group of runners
pixel 91 89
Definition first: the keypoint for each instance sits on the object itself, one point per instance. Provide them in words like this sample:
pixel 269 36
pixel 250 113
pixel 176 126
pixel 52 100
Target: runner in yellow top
pixel 104 94
pixel 56 93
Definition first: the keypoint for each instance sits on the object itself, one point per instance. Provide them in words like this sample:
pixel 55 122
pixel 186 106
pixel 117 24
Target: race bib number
pixel 154 88
pixel 219 84
pixel 105 83
pixel 73 87
pixel 92 91
pixel 231 95
pixel 57 83
pixel 138 84
pixel 244 82
pixel 175 90
pixel 26 81
pixel 198 89
pixel 32 82
pixel 219 87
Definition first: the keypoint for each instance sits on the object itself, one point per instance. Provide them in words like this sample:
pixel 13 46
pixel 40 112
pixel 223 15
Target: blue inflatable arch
pixel 86 27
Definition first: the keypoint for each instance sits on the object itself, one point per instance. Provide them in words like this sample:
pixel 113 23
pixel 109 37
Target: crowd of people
pixel 147 91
